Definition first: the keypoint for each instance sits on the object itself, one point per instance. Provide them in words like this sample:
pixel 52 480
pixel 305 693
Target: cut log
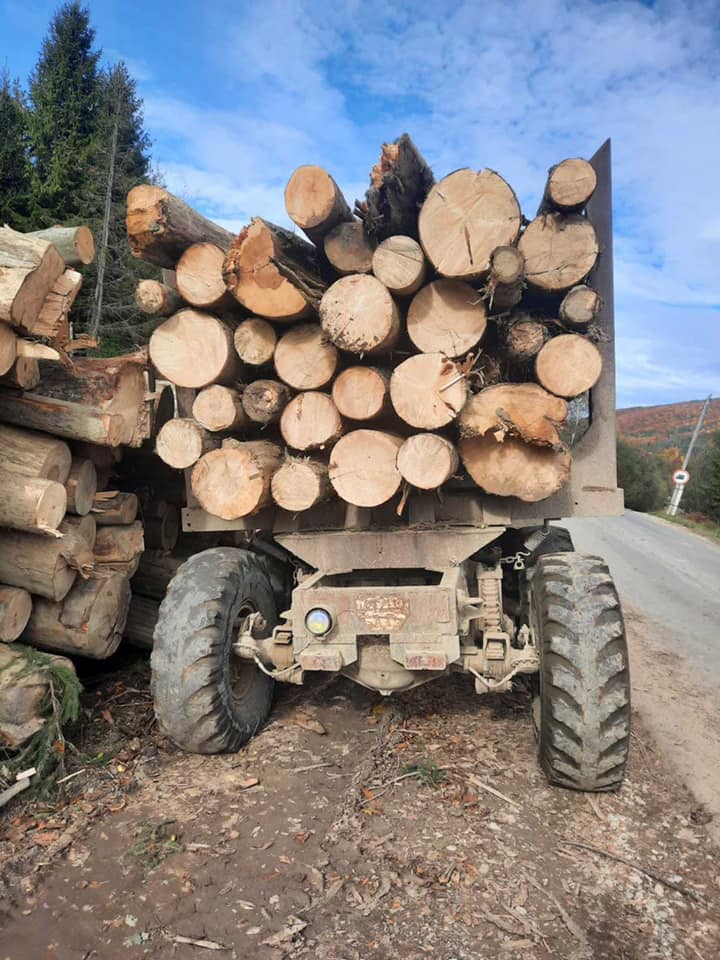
pixel 234 481
pixel 70 420
pixel 560 250
pixel 8 348
pixel 487 371
pixel 568 365
pixel 193 349
pixel 522 410
pixel 23 695
pixel 155 571
pixel 580 306
pixel 300 483
pixel 84 527
pixel 53 321
pixel 161 227
pixel 465 217
pixel 220 408
pixel 315 202
pixel 304 358
pixel 503 297
pixel 363 467
pixel 182 442
pixel 570 184
pixel 507 266
pixel 362 393
pixel 141 620
pixel 515 469
pixel 74 244
pixel 157 299
pixel 428 391
pixel 106 460
pixel 89 622
pixel 15 609
pixel 34 454
pixel 161 525
pixel 29 267
pixel 399 183
pixel 399 264
pixel 273 273
pixel 349 248
pixel 113 509
pixel 119 547
pixel 255 342
pixel 31 503
pixel 447 316
pixel 265 400
pixel 199 277
pixel 359 315
pixel 311 422
pixel 81 486
pixel 524 339
pixel 24 374
pixel 427 460
pixel 35 563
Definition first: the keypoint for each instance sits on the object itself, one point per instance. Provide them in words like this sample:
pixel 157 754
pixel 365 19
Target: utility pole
pixel 679 487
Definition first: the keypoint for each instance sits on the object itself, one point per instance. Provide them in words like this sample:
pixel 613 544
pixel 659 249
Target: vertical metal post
pixel 679 487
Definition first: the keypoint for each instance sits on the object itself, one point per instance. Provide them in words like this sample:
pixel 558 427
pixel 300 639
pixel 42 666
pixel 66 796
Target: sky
pixel 237 94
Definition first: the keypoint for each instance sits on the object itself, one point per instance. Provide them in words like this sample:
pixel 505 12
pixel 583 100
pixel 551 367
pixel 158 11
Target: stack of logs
pixel 433 333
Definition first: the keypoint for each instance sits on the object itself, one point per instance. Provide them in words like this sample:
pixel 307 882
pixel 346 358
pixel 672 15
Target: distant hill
pixel 668 425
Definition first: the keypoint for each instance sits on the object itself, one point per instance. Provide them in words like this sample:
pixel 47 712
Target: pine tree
pixel 65 89
pixel 15 169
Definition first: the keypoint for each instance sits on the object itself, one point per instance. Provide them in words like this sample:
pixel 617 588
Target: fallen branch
pixel 496 793
pixel 205 944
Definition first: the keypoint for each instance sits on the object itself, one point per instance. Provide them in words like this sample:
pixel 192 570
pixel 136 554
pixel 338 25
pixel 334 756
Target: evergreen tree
pixel 15 167
pixel 641 477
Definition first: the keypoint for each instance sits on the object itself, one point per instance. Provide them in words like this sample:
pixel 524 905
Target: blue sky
pixel 239 94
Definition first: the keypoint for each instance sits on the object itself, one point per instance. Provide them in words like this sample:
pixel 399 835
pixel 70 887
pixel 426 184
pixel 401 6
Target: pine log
pixel 507 266
pixel 255 342
pixel 155 571
pixel 119 547
pixel 580 306
pixel 315 202
pixel 70 420
pixel 568 365
pixel 8 348
pixel 157 299
pixel 85 527
pixel 359 315
pixel 89 622
pixel 29 267
pixel 427 460
pixel 194 349
pixel 513 468
pixel 349 248
pixel 300 483
pixel 161 525
pixel 24 374
pixel 220 408
pixel 31 503
pixel 199 277
pixel 15 609
pixel 447 316
pixel 428 391
pixel 141 620
pixel 399 264
pixel 34 454
pixel 311 422
pixel 363 467
pixel 53 321
pixel 502 297
pixel 362 393
pixel 570 184
pixel 521 410
pixel 523 339
pixel 81 486
pixel 265 400
pixel 74 244
pixel 161 227
pixel 234 481
pixel 399 184
pixel 465 217
pixel 37 564
pixel 273 273
pixel 304 359
pixel 115 509
pixel 560 250
pixel 182 442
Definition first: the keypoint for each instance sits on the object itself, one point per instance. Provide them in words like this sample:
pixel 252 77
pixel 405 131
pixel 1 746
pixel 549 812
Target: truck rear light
pixel 318 621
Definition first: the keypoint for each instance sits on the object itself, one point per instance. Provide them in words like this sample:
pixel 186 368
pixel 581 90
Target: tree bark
pixel 521 410
pixel 199 278
pixel 106 460
pixel 447 316
pixel 580 306
pixel 428 391
pixel 74 526
pixel 182 442
pixel 265 400
pixel 503 297
pixel 141 620
pixel 513 468
pixel 255 342
pixel 362 393
pixel 486 371
pixel 560 251
pixel 523 339
pixel 194 349
pixel 220 408
pixel 161 227
pixel 81 486
pixel 274 273
pixel 74 244
pixel 359 315
pixel 570 184
pixel 311 422
pixel 300 483
pixel 568 365
pixel 53 320
pixel 23 375
pixel 427 460
pixel 304 359
pixel 399 264
pixel 363 467
pixel 234 481
pixel 399 185
pixel 154 573
pixel 315 202
pixel 8 348
pixel 15 609
pixel 157 299
pixel 465 217
pixel 119 547
pixel 349 248
pixel 29 267
pixel 31 503
pixel 70 420
pixel 34 454
pixel 115 509
pixel 35 563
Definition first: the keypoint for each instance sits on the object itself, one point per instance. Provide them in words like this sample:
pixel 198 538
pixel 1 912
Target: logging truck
pixel 478 581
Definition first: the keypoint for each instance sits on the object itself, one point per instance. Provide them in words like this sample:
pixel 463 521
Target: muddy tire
pixel 206 699
pixel 583 709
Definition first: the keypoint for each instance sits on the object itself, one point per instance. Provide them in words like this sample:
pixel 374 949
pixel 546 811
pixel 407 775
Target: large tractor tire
pixel 583 720
pixel 208 700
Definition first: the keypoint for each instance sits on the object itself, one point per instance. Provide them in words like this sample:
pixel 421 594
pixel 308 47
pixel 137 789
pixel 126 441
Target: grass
pixel 705 527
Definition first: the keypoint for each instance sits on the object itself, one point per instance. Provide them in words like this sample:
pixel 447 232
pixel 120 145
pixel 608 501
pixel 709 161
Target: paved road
pixel 671 576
